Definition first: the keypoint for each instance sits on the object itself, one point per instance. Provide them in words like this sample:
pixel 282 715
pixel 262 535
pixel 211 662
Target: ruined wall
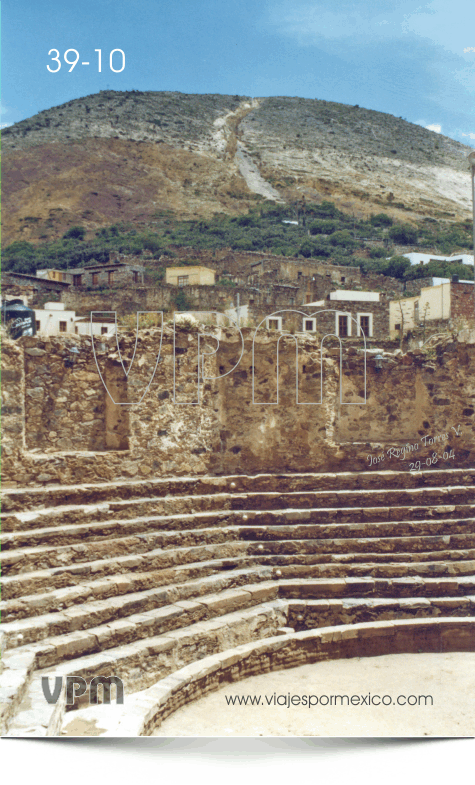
pixel 64 404
pixel 393 287
pixel 462 302
pixel 70 431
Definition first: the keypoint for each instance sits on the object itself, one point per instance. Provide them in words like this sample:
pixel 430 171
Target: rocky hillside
pixel 130 156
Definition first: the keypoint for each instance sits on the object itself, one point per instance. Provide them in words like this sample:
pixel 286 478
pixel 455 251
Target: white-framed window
pixel 342 324
pixel 309 325
pixel 274 322
pixel 365 324
pixel 183 280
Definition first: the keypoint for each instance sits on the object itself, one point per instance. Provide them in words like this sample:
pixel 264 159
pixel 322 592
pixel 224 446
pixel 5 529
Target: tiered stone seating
pixel 147 580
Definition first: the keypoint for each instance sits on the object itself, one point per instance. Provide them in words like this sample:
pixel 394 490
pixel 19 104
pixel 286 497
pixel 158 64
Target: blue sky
pixel 412 60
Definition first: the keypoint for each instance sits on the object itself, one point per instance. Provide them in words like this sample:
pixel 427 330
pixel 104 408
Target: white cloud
pixel 314 21
pixel 434 127
pixel 310 22
pixel 443 23
pixel 470 135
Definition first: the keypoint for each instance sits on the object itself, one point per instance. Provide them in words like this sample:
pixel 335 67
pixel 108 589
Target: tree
pixel 397 266
pixel 381 219
pixel 75 233
pixel 404 234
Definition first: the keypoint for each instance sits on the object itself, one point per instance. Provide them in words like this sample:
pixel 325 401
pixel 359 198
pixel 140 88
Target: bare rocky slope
pixel 129 156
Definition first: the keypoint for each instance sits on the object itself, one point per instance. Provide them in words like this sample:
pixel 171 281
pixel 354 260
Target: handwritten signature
pixel 406 449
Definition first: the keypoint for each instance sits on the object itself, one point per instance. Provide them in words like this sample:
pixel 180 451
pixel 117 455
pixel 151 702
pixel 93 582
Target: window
pixel 95 279
pixel 38 325
pixel 397 326
pixel 343 279
pixel 103 330
pixel 416 311
pixel 183 280
pixel 77 280
pixel 274 323
pixel 308 298
pixel 365 322
pixel 299 274
pixel 76 329
pixel 62 327
pixel 342 325
pixel 309 325
pixel 136 276
pixel 110 277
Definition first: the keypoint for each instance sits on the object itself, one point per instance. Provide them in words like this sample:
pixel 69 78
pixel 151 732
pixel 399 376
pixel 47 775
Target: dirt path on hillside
pixel 227 143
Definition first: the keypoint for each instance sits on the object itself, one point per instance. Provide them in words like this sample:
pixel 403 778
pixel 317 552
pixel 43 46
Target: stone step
pixel 188 616
pixel 23 499
pixel 144 568
pixel 311 614
pixel 15 679
pixel 101 612
pixel 35 605
pixel 162 652
pixel 117 586
pixel 277 526
pixel 420 586
pixel 230 540
pixel 41 558
pixel 238 502
pixel 408 568
pixel 347 560
pixel 165 569
pixel 150 612
pixel 122 513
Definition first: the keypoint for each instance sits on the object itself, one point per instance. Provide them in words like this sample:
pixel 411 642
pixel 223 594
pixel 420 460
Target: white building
pixel 416 258
pixel 433 303
pixel 347 295
pixel 54 319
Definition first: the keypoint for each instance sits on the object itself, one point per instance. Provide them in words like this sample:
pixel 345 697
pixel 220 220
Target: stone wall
pixel 261 302
pixel 60 424
pixel 462 302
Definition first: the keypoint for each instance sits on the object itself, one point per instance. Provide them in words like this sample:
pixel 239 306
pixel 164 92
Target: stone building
pixel 342 314
pixel 190 276
pixel 31 288
pixel 114 273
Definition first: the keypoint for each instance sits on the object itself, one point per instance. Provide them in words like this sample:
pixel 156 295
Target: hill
pixel 133 157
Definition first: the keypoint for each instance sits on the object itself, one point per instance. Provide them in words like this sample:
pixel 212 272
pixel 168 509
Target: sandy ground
pixel 448 678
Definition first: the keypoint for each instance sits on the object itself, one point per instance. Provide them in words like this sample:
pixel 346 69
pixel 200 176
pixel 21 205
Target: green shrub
pixel 404 234
pixel 381 219
pixel 324 227
pixel 378 252
pixel 75 233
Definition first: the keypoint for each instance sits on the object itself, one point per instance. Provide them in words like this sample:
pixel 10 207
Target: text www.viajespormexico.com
pixel 329 700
